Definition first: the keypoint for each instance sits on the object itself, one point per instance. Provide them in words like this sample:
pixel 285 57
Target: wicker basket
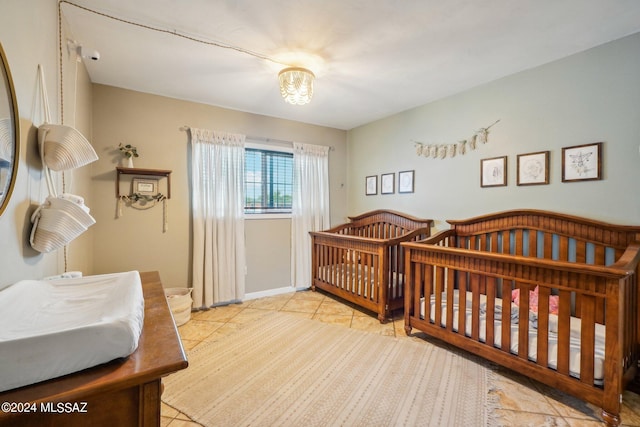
pixel 179 300
pixel 57 222
pixel 65 147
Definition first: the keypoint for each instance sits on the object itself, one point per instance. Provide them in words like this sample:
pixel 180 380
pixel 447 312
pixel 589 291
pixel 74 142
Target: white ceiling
pixel 372 58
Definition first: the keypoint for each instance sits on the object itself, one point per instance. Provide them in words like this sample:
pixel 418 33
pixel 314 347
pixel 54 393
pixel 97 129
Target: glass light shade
pixel 296 85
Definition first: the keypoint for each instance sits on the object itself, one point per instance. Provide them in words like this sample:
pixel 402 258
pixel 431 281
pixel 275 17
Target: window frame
pixel 258 145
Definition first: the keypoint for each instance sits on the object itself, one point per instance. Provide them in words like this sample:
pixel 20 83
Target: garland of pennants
pixel 441 151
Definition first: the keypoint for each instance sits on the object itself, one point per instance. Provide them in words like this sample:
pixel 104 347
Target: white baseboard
pixel 269 293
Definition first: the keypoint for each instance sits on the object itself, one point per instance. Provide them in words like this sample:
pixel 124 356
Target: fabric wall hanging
pixel 442 151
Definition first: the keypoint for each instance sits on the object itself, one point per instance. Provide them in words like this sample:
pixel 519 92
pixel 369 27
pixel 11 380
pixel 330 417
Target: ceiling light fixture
pixel 296 85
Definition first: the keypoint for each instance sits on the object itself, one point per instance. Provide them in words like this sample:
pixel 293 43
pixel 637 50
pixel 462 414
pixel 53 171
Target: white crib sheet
pixel 574 352
pixel 50 328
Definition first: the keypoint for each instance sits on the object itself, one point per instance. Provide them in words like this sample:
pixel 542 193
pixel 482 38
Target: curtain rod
pixel 260 138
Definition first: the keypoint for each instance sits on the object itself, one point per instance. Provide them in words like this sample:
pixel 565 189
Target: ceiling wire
pixel 177 34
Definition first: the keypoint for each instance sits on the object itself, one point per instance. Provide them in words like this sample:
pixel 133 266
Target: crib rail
pixel 440 266
pixel 544 234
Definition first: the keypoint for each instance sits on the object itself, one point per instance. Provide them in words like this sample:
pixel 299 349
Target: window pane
pixel 268 181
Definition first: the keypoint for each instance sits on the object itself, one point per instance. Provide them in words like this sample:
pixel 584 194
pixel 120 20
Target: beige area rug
pixel 288 371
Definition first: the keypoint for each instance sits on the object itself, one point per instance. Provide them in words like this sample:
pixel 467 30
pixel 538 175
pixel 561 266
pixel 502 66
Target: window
pixel 268 181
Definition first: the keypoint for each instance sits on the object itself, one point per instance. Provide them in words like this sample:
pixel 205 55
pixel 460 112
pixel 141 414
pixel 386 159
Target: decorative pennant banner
pixel 441 151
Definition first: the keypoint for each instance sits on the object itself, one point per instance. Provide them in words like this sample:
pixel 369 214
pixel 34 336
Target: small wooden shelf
pixel 143 172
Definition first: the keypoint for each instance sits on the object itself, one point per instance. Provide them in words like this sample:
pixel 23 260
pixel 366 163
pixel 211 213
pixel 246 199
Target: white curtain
pixel 310 206
pixel 217 175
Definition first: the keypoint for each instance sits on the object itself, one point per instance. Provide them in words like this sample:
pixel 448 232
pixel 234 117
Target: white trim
pixel 252 217
pixel 259 145
pixel 269 293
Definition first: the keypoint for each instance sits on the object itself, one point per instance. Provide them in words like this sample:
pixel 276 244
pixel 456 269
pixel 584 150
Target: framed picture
pixel 387 183
pixel 145 187
pixel 371 185
pixel 405 181
pixel 582 162
pixel 533 168
pixel 493 172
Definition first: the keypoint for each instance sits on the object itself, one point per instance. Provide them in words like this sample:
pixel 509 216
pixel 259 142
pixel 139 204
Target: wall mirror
pixel 9 133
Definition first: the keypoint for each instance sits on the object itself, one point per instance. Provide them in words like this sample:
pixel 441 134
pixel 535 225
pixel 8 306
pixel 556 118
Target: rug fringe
pixel 492 402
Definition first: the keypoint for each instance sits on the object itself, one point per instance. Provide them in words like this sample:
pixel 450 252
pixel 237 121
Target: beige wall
pixel 152 123
pixel 29 35
pixel 589 97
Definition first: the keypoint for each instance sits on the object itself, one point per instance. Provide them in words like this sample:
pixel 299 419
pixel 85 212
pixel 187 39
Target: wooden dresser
pixel 119 393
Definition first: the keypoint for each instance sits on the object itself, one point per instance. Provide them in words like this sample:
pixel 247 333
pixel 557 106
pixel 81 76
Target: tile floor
pixel 519 400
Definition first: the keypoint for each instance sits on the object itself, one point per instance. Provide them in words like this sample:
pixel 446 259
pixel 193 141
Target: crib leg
pixel 407 329
pixel 382 318
pixel 610 419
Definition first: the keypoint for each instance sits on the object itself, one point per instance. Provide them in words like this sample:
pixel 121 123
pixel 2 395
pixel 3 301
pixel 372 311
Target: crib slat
pixel 563 251
pixel 462 302
pixel 506 242
pixel 365 265
pixel 491 310
pixel 564 329
pixel 438 295
pixel 533 243
pixel 426 292
pixel 519 241
pixel 581 252
pixel 599 255
pixel 587 339
pixel 542 358
pixel 506 308
pixel 450 285
pixel 494 242
pixel 475 306
pixel 473 243
pixel 376 274
pixel 523 320
pixel 335 265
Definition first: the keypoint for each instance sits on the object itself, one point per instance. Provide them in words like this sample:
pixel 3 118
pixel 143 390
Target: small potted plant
pixel 129 152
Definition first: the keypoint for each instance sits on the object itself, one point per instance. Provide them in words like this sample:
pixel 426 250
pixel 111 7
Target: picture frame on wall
pixel 371 185
pixel 582 162
pixel 406 181
pixel 533 168
pixel 387 183
pixel 493 172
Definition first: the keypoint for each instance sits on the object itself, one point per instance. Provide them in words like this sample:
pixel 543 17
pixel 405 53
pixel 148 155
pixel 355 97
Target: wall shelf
pixel 143 172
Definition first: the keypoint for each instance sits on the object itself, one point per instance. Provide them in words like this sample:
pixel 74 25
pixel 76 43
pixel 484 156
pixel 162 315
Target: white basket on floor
pixel 180 301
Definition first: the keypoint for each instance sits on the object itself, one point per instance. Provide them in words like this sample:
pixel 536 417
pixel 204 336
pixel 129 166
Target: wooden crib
pixel 564 288
pixel 362 261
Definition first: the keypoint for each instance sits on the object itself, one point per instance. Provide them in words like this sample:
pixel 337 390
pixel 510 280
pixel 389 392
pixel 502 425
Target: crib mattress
pixel 574 352
pixel 50 328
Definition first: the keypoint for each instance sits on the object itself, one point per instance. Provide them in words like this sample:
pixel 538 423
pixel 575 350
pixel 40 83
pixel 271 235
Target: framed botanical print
pixel 405 181
pixel 493 172
pixel 371 185
pixel 533 168
pixel 387 183
pixel 582 162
